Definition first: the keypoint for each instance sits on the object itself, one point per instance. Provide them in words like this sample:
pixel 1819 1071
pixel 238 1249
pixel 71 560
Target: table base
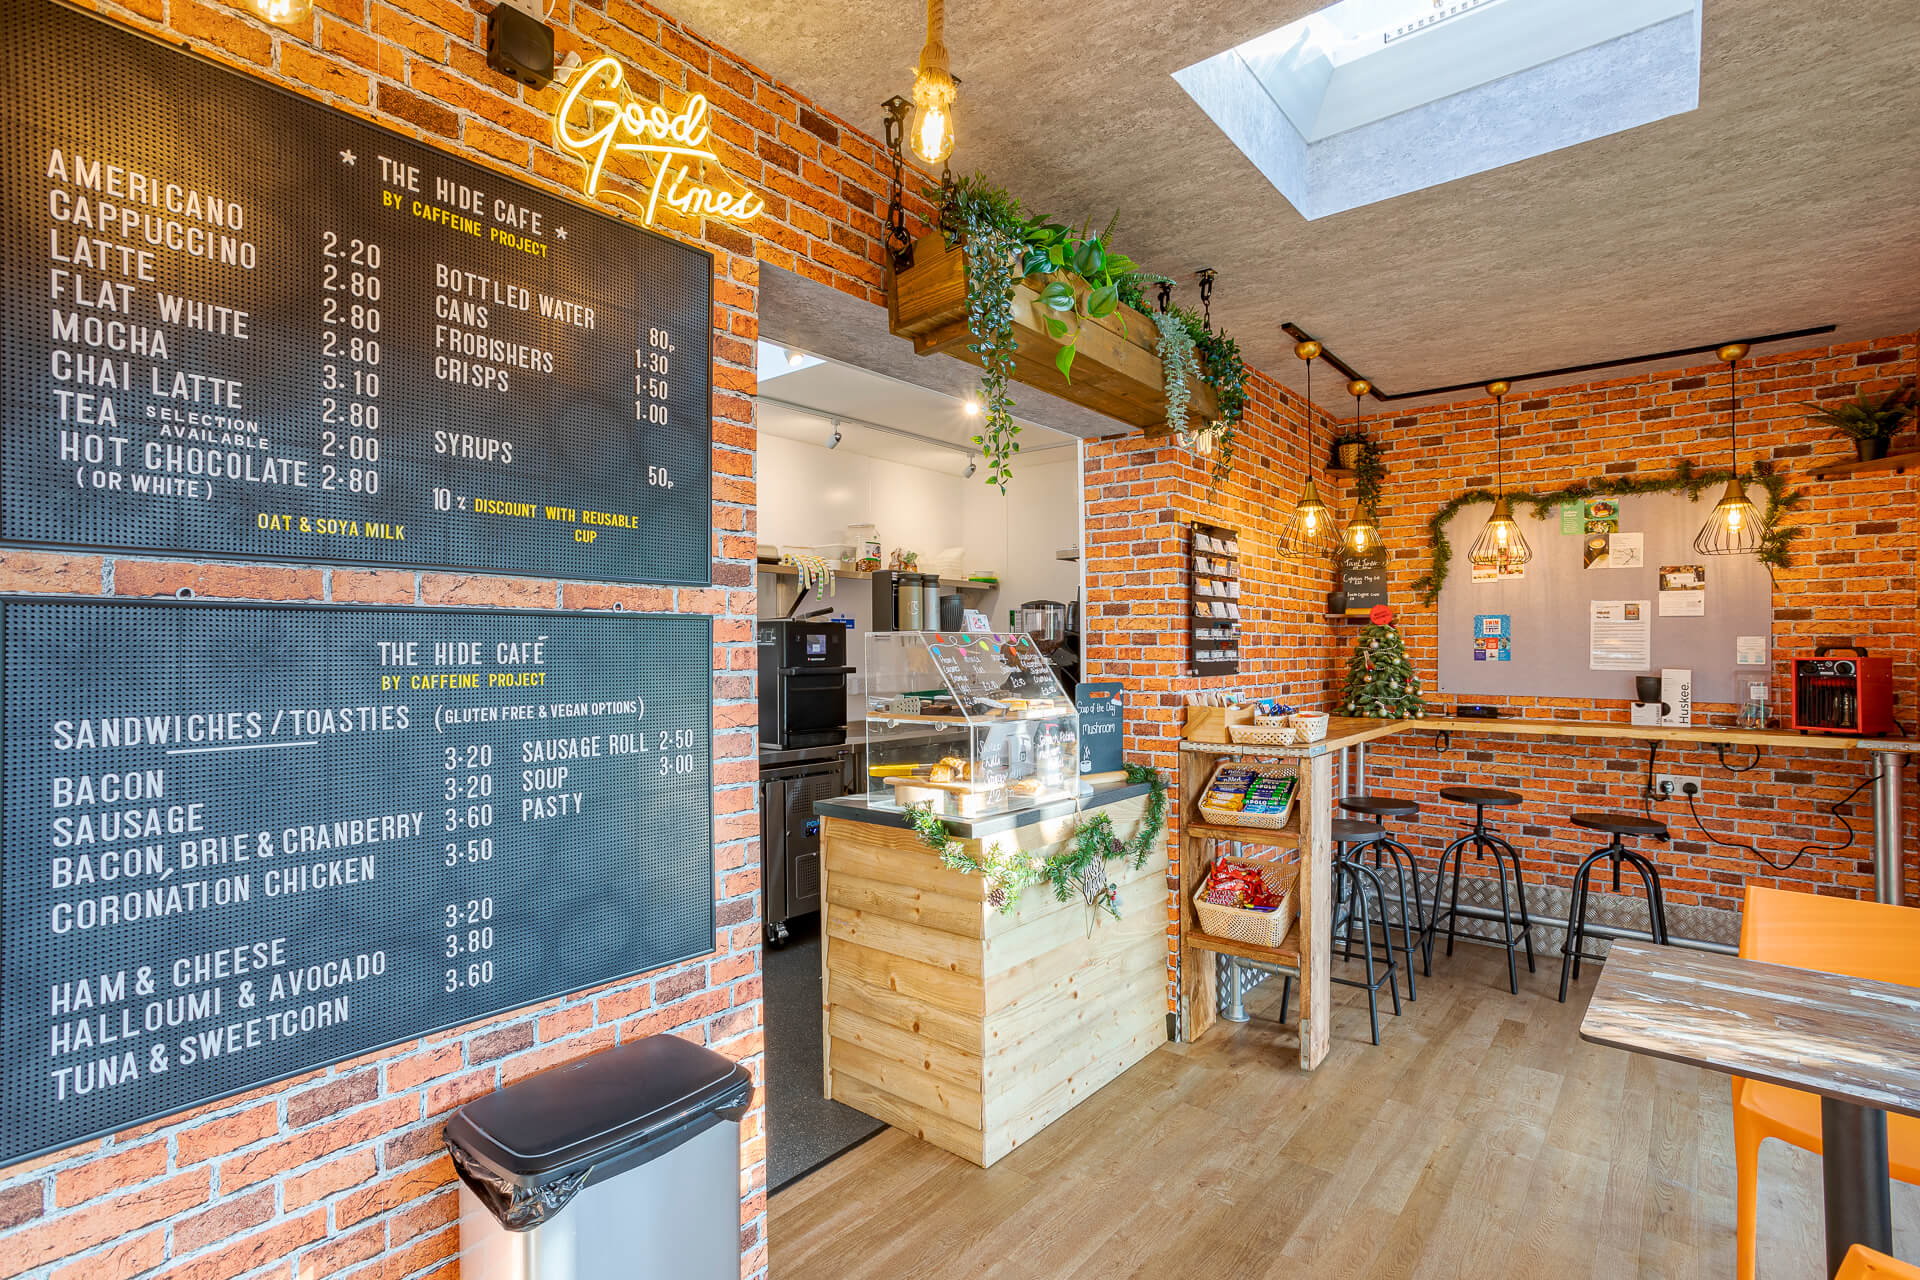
pixel 1855 1178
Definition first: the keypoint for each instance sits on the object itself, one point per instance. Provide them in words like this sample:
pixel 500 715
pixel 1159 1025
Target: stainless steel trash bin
pixel 624 1165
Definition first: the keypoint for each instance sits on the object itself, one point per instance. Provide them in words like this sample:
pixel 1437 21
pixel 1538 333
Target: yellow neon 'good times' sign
pixel 599 118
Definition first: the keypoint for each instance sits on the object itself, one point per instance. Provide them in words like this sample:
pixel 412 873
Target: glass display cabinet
pixel 971 724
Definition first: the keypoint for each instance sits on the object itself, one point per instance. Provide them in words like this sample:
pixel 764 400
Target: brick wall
pixel 1852 581
pixel 1141 497
pixel 341 1172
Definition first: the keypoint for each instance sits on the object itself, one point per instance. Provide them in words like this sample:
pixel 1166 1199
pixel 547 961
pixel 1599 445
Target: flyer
pixel 1620 635
pixel 1683 591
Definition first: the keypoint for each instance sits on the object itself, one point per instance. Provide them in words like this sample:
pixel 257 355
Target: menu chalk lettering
pixel 245 841
pixel 243 324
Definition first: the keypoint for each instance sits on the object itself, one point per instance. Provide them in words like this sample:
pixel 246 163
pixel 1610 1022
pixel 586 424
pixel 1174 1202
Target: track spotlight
pixel 833 441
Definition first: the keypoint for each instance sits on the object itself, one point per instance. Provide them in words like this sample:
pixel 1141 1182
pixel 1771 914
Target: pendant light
pixel 1363 535
pixel 1734 527
pixel 1309 528
pixel 1500 545
pixel 931 134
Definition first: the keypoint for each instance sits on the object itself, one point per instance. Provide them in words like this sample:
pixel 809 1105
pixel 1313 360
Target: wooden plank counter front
pixel 968 1027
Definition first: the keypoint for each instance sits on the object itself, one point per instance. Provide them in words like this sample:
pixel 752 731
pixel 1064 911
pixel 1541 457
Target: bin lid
pixel 597 1108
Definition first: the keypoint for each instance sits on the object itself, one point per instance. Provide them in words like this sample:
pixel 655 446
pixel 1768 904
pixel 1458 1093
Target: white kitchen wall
pixel 810 494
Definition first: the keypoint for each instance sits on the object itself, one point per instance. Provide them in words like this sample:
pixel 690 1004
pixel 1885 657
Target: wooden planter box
pixel 1116 372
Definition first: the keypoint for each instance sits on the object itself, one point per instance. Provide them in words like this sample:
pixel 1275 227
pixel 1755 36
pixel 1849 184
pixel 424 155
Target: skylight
pixel 1370 99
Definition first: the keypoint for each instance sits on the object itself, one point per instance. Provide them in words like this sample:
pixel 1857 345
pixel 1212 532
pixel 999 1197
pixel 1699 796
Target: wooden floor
pixel 1482 1139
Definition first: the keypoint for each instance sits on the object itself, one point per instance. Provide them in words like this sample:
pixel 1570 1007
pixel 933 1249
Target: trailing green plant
pixel 1179 364
pixel 1093 844
pixel 1368 471
pixel 976 217
pixel 1776 538
pixel 1867 417
pixel 1077 276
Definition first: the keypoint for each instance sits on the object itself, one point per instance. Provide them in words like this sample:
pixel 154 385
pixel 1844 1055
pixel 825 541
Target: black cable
pixel 1805 849
pixel 1721 747
pixel 1646 792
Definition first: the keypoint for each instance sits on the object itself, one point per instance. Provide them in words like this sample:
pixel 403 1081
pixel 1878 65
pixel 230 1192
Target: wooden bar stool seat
pixel 1380 806
pixel 1483 797
pixel 1573 951
pixel 1356 834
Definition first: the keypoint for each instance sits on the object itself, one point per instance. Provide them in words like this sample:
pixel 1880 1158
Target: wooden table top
pixel 1847 1038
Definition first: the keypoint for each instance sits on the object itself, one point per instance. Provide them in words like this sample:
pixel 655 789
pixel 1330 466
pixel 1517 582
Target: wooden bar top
pixel 1350 731
pixel 1853 1039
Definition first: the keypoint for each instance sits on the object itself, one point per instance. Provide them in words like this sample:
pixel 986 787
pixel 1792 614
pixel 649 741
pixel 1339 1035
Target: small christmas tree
pixel 1380 680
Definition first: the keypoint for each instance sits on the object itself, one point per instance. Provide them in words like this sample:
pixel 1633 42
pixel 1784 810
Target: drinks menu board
pixel 245 841
pixel 243 324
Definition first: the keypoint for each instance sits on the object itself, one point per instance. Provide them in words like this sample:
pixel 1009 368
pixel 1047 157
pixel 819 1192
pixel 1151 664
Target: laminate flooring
pixel 1482 1138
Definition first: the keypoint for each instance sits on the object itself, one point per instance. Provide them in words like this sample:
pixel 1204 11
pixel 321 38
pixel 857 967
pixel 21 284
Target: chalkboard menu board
pixel 1103 725
pixel 243 324
pixel 244 841
pixel 993 667
pixel 1363 576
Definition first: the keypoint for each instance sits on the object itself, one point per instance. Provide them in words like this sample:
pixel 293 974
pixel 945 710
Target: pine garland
pixel 1092 845
pixel 1776 538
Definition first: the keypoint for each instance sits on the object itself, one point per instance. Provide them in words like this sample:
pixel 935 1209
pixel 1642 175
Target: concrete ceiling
pixel 1790 198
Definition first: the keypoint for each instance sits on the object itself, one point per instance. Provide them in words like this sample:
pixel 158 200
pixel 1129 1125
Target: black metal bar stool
pixel 1351 880
pixel 1615 825
pixel 1484 840
pixel 1413 922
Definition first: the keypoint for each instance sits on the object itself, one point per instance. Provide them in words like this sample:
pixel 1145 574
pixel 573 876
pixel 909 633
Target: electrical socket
pixel 1673 786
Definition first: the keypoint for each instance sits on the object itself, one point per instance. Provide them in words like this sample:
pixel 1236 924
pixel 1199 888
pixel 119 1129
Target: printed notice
pixel 1683 591
pixel 1620 635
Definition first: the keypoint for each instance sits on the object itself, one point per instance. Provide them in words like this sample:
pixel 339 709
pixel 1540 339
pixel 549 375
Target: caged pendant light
pixel 1734 527
pixel 1500 545
pixel 1363 534
pixel 1308 530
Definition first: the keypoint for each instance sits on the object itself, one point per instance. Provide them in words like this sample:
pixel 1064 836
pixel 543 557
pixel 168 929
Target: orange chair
pixel 1834 935
pixel 1863 1263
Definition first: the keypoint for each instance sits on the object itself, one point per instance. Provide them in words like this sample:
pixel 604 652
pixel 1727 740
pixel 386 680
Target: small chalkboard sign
pixel 1363 576
pixel 992 668
pixel 1103 725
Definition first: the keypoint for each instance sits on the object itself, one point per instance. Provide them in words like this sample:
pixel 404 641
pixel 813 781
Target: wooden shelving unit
pixel 1853 467
pixel 859 575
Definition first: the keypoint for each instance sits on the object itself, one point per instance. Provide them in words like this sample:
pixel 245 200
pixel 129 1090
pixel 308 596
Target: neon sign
pixel 599 118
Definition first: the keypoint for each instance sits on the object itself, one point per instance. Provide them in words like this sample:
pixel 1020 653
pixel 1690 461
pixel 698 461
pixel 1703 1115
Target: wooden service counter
pixel 1304 953
pixel 965 1026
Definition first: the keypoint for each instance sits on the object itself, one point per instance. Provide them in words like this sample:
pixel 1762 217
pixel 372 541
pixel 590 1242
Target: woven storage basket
pixel 1310 726
pixel 1259 928
pixel 1261 735
pixel 1238 818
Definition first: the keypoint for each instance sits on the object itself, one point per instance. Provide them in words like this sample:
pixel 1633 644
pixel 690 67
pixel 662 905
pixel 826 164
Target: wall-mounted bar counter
pixel 1310 833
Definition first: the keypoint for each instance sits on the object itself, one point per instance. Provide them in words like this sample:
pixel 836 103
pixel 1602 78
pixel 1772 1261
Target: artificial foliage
pixel 1079 867
pixel 1368 471
pixel 1867 417
pixel 1078 276
pixel 1776 537
pixel 1381 684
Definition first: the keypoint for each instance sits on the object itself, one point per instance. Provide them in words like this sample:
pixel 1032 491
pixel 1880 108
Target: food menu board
pixel 243 324
pixel 245 841
pixel 992 667
pixel 1363 577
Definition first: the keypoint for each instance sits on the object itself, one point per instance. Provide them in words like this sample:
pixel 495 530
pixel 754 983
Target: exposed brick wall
pixel 1141 498
pixel 1852 581
pixel 342 1172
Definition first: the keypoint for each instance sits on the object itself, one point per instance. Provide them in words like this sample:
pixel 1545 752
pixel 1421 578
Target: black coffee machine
pixel 803 683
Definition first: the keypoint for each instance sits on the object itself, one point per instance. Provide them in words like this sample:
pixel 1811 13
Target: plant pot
pixel 1346 455
pixel 1116 371
pixel 1871 449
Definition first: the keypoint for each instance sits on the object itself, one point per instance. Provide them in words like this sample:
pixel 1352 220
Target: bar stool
pixel 1484 840
pixel 1615 825
pixel 1350 883
pixel 1412 923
